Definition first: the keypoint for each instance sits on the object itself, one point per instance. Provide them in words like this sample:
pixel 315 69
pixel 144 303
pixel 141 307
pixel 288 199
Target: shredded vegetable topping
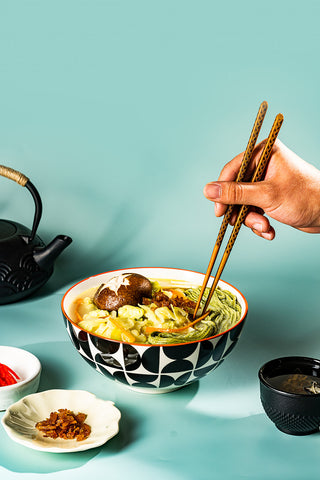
pixel 7 376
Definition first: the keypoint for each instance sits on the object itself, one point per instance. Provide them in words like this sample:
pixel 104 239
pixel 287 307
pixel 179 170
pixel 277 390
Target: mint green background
pixel 120 112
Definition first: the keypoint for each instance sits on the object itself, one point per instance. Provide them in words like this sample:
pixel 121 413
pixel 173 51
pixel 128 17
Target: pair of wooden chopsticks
pixel 257 176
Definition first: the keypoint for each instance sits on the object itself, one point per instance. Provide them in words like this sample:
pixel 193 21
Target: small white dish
pixel 20 419
pixel 27 367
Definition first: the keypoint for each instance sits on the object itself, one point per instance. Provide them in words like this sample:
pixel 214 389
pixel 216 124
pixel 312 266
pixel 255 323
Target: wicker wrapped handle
pixel 25 182
pixel 13 175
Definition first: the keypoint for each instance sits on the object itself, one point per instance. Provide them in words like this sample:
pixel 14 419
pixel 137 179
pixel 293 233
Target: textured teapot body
pixel 25 262
pixel 19 273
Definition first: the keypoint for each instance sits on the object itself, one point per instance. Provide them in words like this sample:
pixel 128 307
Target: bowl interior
pixel 281 367
pixel 187 276
pixel 25 364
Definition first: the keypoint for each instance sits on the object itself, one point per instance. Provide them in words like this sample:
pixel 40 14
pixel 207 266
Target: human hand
pixel 289 193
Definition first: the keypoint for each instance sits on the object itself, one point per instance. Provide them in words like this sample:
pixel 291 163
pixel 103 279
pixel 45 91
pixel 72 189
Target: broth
pixel 294 383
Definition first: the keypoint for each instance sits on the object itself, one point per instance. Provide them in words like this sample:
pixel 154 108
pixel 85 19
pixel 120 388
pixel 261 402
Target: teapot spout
pixel 46 256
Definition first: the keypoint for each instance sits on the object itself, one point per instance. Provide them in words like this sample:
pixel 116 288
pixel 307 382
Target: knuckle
pixel 234 193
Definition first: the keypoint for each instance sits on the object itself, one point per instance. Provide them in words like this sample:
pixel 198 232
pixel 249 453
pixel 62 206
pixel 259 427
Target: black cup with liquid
pixel 286 397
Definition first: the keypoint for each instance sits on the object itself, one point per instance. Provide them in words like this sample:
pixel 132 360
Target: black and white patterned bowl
pixel 152 368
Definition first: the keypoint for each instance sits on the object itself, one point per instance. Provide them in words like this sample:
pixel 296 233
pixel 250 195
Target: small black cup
pixel 292 413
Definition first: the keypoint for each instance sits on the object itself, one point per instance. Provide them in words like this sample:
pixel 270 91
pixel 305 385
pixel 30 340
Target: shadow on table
pixel 18 459
pixel 80 260
pixel 270 334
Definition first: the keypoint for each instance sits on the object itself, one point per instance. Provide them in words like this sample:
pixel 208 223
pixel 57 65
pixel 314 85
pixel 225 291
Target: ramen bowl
pixel 151 368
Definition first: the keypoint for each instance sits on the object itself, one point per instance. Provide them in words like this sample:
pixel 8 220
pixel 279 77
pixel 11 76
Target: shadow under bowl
pixel 151 368
pixel 292 413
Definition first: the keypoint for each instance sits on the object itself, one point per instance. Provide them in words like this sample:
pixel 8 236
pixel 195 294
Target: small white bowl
pixel 27 367
pixel 20 419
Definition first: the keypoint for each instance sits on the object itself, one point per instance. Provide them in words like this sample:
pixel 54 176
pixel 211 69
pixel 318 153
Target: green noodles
pixel 204 329
pixel 226 312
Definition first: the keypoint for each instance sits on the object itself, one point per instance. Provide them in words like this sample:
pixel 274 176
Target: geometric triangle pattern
pixel 153 369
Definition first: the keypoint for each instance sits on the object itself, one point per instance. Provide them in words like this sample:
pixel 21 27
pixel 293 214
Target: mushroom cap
pixel 124 289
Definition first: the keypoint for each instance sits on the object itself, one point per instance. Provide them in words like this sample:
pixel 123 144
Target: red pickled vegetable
pixel 7 376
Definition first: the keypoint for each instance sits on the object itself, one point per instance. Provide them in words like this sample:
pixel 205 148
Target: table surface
pixel 119 112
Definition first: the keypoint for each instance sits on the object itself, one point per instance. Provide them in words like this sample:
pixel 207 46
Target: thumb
pixel 240 193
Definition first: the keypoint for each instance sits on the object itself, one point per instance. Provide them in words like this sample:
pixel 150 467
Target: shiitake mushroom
pixel 125 289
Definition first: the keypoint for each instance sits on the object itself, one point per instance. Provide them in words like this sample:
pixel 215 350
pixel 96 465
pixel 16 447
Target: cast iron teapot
pixel 25 262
